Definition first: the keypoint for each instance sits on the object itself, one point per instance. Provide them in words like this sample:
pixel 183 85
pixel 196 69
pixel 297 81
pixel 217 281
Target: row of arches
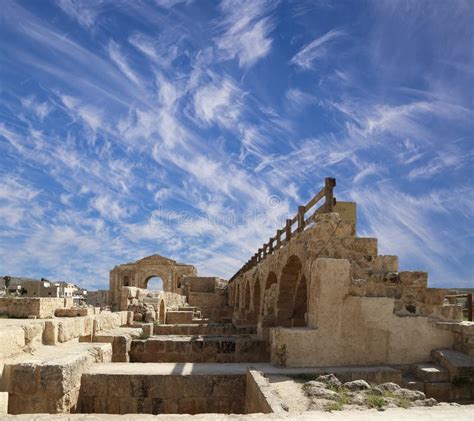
pixel 282 300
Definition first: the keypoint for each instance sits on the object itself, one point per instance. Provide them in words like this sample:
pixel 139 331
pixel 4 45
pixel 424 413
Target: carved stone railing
pixel 293 225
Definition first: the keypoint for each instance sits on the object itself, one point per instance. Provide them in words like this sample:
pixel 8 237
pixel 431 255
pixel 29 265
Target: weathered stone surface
pixel 50 381
pixel 329 379
pixel 136 275
pixel 3 403
pixel 411 395
pixel 357 385
pixel 387 387
pixel 24 307
pixel 321 392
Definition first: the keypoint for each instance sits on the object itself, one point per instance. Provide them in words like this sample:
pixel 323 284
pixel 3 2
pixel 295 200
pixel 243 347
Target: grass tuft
pixel 375 401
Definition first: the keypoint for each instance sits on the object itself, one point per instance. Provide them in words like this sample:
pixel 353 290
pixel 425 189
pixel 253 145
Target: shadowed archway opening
pixel 290 275
pixel 256 298
pixel 300 306
pixel 269 307
pixel 247 296
pixel 154 284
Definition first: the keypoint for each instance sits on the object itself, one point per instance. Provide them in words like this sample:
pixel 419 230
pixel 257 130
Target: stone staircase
pixel 463 335
pixel 448 377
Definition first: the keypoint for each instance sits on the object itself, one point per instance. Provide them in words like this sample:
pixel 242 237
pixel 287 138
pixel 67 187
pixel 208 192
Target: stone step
pixel 194 329
pixel 412 383
pixel 431 373
pixel 457 363
pixel 441 391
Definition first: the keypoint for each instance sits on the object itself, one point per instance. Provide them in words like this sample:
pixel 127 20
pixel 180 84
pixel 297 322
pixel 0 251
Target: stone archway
pixel 300 303
pixel 138 273
pixel 269 294
pixel 155 284
pixel 256 299
pixel 247 296
pixel 286 291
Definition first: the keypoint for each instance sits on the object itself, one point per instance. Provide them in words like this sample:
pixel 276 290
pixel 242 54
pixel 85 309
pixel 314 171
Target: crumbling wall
pixel 23 307
pixel 148 306
pixel 336 318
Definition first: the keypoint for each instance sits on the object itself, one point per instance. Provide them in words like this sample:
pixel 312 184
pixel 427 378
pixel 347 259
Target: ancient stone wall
pixel 159 394
pixel 23 307
pixel 224 349
pixel 259 396
pixel 288 289
pixel 99 298
pixel 336 318
pixel 149 306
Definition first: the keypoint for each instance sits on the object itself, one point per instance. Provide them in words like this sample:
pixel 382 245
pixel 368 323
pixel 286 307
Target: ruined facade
pixel 315 304
pixel 137 274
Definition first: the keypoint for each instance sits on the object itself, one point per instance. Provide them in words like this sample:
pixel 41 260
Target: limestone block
pixel 129 318
pixel 3 403
pixel 74 312
pixel 50 333
pixel 441 391
pixel 414 279
pixel 385 264
pixel 12 341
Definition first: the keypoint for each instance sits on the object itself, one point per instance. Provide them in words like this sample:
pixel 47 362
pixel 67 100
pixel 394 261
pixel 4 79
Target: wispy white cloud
pixel 298 99
pixel 90 114
pixel 109 208
pixel 41 109
pixel 84 11
pixel 403 225
pixel 247 30
pixel 369 170
pixel 168 4
pixel 316 49
pixel 218 102
pixel 120 60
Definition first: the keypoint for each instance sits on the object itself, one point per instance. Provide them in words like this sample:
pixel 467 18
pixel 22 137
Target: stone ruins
pixel 315 322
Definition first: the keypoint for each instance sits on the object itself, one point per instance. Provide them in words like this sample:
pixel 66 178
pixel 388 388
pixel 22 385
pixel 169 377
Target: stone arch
pixel 269 304
pixel 256 298
pixel 155 283
pixel 300 303
pixel 162 312
pixel 289 278
pixel 247 296
pixel 136 274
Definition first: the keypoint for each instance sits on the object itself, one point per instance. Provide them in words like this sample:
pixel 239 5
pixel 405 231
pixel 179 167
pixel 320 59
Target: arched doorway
pixel 256 299
pixel 247 296
pixel 269 297
pixel 154 284
pixel 286 292
pixel 300 305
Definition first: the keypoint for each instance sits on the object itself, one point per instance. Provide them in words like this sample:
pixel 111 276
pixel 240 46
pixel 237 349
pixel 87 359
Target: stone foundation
pixel 113 390
pixel 219 349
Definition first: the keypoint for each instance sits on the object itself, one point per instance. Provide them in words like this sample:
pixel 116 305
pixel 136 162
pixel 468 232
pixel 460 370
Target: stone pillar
pixel 329 284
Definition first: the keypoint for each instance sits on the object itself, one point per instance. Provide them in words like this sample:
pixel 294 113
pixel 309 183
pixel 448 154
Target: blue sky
pixel 193 128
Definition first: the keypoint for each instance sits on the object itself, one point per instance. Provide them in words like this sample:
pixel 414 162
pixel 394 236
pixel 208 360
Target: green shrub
pixel 375 401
